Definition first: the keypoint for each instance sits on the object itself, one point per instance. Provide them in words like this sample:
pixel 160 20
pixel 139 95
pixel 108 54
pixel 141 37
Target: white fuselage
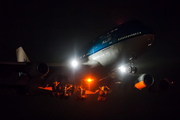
pixel 122 51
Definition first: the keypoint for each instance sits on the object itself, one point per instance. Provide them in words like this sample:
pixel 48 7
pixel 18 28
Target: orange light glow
pixel 89 92
pixel 89 80
pixel 46 88
pixel 140 85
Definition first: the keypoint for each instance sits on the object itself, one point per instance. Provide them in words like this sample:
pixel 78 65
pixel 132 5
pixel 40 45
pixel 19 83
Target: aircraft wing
pixel 23 65
pixel 29 68
pixel 64 71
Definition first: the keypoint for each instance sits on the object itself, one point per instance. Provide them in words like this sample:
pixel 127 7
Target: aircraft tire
pixel 130 69
pixel 134 70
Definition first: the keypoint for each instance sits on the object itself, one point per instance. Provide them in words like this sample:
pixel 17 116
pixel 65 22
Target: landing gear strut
pixel 132 68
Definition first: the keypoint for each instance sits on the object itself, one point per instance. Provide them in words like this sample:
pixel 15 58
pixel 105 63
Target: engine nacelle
pixel 37 69
pixel 161 86
pixel 144 80
pixel 33 69
pixel 164 85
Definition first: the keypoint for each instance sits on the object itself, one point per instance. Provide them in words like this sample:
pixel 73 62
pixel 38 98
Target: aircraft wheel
pixel 99 98
pixel 130 69
pixel 134 70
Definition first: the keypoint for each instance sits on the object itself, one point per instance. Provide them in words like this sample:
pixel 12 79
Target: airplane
pixel 116 50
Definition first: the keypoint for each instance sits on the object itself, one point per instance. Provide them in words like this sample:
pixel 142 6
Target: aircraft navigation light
pixel 122 69
pixel 74 63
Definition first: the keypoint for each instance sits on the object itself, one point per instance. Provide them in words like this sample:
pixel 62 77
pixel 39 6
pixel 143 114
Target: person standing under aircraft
pixel 66 91
pixel 103 90
pixel 56 88
pixel 82 93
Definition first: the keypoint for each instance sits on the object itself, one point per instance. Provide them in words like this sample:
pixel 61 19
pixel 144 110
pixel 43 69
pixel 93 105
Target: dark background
pixel 56 31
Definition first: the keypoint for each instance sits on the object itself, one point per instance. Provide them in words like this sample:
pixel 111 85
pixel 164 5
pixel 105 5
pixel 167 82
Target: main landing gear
pixel 132 68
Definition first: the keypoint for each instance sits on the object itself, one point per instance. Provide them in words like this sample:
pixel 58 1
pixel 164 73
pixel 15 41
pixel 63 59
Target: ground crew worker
pixel 56 88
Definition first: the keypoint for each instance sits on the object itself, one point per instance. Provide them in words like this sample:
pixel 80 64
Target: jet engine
pixel 34 69
pixel 37 69
pixel 161 86
pixel 164 85
pixel 144 80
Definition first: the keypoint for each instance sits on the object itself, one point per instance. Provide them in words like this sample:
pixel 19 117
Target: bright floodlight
pixel 122 69
pixel 74 63
pixel 89 80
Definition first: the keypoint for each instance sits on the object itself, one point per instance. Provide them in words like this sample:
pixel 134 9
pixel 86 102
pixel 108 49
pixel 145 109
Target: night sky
pixel 55 31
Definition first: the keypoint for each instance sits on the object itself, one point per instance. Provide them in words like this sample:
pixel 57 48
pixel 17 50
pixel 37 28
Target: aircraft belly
pixel 135 47
pixel 123 51
pixel 106 56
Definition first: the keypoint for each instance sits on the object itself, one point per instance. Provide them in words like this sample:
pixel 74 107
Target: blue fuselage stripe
pixel 119 34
